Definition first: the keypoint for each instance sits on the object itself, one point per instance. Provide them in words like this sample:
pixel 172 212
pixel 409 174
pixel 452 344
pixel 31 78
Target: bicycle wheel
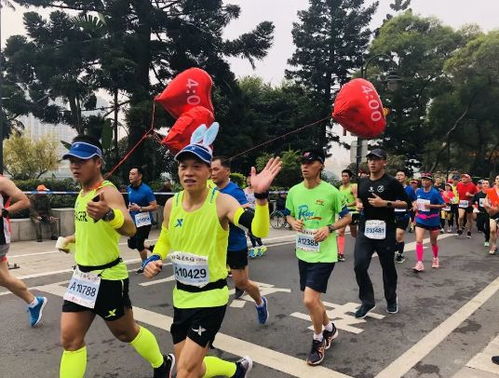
pixel 277 220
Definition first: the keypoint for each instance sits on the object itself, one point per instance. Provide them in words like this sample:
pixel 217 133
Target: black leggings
pixel 483 224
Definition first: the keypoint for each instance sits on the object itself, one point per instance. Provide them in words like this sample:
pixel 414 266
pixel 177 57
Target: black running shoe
pixel 243 367
pixel 139 271
pixel 330 336
pixel 399 258
pixel 317 352
pixel 459 232
pixel 468 234
pixel 363 310
pixel 166 369
pixel 495 359
pixel 392 308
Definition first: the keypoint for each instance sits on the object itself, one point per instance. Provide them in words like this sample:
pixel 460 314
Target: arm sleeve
pixel 258 223
pixel 162 246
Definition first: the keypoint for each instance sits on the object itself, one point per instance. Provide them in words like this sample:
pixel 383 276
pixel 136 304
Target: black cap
pixel 312 155
pixel 378 153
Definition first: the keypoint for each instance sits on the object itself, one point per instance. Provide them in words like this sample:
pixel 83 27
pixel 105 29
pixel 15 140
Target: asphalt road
pixel 446 317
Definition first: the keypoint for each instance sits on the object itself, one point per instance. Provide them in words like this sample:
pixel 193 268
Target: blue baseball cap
pixel 83 150
pixel 201 152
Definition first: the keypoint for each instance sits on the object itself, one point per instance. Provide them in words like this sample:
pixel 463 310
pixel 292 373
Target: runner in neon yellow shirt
pixel 313 206
pixel 194 237
pixel 99 285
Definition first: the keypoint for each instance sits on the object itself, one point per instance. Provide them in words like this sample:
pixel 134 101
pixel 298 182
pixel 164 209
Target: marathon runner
pixel 402 217
pixel 450 199
pixel 482 219
pixel 466 190
pixel 492 206
pixel 379 195
pixel 237 250
pixel 428 204
pixel 141 202
pixel 312 206
pixel 10 192
pixel 349 191
pixel 194 236
pixel 99 285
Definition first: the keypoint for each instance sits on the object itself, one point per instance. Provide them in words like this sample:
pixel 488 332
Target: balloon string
pixel 125 158
pixel 280 136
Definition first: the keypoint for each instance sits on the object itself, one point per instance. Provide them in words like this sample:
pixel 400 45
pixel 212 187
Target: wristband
pixel 149 259
pixel 263 195
pixel 118 219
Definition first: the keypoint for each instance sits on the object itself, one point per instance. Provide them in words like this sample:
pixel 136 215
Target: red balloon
pixel 179 135
pixel 358 109
pixel 188 89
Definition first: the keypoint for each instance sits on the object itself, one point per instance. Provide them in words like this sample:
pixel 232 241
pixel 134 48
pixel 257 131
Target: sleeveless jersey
pixel 199 232
pixel 5 222
pixel 349 197
pixel 96 242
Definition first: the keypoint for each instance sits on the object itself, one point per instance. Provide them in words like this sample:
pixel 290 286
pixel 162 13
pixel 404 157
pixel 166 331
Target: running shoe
pixel 243 367
pixel 419 267
pixel 449 230
pixel 459 232
pixel 238 293
pixel 252 253
pixel 317 352
pixel 363 310
pixel 166 369
pixel 435 263
pixel 262 250
pixel 399 258
pixel 262 312
pixel 392 308
pixel 468 235
pixel 442 230
pixel 492 252
pixel 329 336
pixel 495 359
pixel 35 313
pixel 486 244
pixel 341 257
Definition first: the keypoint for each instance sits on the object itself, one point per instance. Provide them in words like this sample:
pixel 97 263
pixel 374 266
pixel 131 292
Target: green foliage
pixel 239 179
pixel 290 173
pixel 27 158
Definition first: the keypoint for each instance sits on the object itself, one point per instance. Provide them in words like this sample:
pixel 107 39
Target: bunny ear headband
pixel 201 141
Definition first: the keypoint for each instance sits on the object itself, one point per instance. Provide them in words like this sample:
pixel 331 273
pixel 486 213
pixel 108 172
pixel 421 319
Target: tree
pixel 331 39
pixel 290 173
pixel 26 158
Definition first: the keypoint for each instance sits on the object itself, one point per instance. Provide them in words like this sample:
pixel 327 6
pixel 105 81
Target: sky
pixel 283 13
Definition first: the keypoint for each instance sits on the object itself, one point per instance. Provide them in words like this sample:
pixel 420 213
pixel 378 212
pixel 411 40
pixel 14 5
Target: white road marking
pixel 275 360
pixel 155 282
pixel 412 245
pixel 423 347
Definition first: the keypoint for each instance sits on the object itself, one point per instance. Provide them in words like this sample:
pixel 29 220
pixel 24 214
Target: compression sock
pixel 217 367
pixel 434 248
pixel 341 244
pixel 147 347
pixel 73 363
pixel 419 251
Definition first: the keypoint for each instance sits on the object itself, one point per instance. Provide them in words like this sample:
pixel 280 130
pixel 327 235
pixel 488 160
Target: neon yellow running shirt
pixel 96 243
pixel 200 233
pixel 349 197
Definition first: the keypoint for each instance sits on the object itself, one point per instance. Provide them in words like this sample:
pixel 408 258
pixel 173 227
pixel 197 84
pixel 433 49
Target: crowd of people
pixel 204 236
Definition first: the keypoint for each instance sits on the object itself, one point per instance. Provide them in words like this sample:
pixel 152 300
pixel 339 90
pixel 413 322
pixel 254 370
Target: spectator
pixel 40 213
pixel 167 188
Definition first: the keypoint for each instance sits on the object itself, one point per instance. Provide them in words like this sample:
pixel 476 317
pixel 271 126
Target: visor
pixel 201 152
pixel 83 150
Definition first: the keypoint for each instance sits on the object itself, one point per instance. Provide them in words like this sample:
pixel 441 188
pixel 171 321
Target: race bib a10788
pixel 83 289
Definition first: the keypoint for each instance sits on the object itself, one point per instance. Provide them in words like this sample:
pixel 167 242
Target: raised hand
pixel 261 182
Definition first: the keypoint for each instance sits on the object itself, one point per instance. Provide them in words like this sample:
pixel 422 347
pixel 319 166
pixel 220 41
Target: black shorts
pixel 198 324
pixel 111 302
pixel 468 209
pixel 355 219
pixel 314 275
pixel 429 228
pixel 402 220
pixel 237 259
pixel 137 240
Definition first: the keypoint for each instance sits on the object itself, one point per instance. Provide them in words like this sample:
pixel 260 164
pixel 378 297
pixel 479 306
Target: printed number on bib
pixel 375 229
pixel 423 204
pixel 83 289
pixel 463 204
pixel 142 219
pixel 190 269
pixel 305 241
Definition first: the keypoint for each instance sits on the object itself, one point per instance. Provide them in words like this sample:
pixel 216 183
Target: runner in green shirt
pixel 312 207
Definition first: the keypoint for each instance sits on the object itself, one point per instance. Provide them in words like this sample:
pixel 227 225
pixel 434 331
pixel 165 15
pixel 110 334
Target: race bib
pixel 446 208
pixel 375 229
pixel 305 241
pixel 83 289
pixel 423 204
pixel 481 202
pixel 142 219
pixel 463 204
pixel 190 269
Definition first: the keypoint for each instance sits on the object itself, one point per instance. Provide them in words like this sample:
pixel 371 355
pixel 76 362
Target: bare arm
pixel 17 196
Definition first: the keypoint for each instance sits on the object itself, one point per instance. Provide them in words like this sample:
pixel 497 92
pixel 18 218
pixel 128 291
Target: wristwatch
pixel 389 204
pixel 331 228
pixel 109 216
pixel 263 195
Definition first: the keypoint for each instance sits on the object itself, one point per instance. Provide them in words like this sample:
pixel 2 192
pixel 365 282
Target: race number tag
pixel 481 202
pixel 142 219
pixel 190 269
pixel 463 204
pixel 305 241
pixel 423 204
pixel 375 229
pixel 446 208
pixel 83 289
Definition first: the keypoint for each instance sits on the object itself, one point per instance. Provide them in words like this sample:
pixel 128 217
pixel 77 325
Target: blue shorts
pixel 314 275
